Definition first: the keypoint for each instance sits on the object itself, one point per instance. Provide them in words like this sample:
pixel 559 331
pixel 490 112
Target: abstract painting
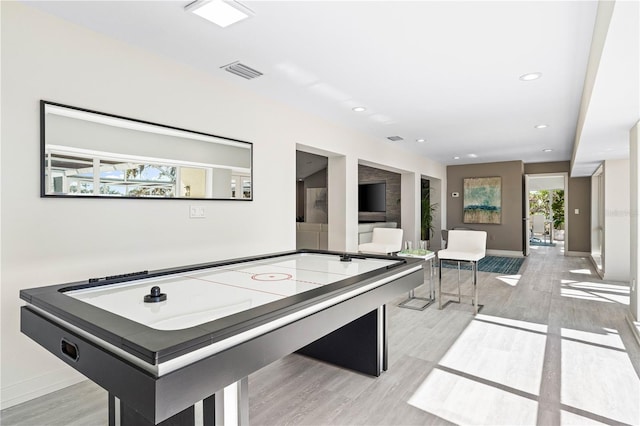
pixel 482 200
pixel 316 206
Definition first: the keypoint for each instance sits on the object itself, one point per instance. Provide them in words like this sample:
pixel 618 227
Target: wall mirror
pixel 92 154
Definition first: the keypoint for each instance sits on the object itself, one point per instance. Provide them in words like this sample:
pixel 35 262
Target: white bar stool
pixel 463 246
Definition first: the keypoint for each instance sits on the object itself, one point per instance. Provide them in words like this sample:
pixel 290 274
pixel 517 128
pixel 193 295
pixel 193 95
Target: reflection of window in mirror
pixel 244 183
pixel 246 187
pixel 103 174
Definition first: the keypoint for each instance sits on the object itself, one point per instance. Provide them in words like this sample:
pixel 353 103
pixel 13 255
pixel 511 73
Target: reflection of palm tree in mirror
pixel 107 190
pixel 151 173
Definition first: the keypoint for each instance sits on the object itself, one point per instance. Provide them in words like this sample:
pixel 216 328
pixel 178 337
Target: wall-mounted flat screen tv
pixel 372 197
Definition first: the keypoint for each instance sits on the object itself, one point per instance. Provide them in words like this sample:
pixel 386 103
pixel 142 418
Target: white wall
pixel 616 252
pixel 48 241
pixel 634 156
pixel 597 219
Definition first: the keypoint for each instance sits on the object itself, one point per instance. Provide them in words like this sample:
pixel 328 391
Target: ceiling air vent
pixel 395 138
pixel 241 70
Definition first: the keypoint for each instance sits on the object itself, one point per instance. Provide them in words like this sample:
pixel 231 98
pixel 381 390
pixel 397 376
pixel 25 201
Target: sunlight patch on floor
pixel 569 418
pixel 609 337
pixel 581 271
pixel 600 292
pixel 505 351
pixel 464 401
pixel 511 280
pixel 598 377
pixel 495 362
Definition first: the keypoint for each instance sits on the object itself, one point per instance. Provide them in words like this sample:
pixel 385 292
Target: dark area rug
pixel 495 264
pixel 541 243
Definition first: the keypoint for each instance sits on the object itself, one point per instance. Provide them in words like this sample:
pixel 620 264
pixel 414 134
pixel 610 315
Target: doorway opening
pixel 312 212
pixel 545 210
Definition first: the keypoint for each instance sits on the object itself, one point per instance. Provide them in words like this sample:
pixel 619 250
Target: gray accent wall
pixel 508 234
pixel 578 238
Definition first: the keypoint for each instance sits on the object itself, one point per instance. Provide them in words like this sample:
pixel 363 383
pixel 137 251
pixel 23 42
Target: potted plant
pixel 428 210
pixel 557 211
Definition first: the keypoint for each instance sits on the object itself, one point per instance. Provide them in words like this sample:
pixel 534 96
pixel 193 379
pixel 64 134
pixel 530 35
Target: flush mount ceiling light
pixel 359 109
pixel 420 140
pixel 531 76
pixel 220 12
pixel 540 126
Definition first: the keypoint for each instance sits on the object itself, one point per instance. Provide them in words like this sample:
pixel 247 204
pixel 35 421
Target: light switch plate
pixel 196 212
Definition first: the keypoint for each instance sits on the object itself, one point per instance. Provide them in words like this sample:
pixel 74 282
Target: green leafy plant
pixel 557 208
pixel 428 210
pixel 539 204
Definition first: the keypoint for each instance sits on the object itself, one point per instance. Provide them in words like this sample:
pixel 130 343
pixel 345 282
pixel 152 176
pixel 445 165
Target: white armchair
pixel 383 241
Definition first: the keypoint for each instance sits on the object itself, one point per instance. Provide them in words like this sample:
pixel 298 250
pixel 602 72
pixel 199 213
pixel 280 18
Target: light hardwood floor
pixel 551 346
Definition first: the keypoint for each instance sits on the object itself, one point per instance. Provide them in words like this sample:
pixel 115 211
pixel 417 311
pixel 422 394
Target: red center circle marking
pixel 276 276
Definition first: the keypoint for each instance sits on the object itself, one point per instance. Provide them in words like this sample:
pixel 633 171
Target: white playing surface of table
pixel 201 296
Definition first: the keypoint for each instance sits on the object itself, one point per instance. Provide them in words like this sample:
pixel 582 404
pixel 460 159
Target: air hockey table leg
pixel 228 407
pixel 122 415
pixel 232 405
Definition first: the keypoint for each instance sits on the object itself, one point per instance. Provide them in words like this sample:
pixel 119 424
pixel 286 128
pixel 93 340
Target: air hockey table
pixel 175 346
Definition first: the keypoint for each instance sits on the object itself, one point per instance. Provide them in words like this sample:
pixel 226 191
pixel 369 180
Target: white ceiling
pixel 539 183
pixel 445 71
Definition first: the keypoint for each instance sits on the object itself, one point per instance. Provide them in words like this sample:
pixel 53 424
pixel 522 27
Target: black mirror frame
pixel 43 193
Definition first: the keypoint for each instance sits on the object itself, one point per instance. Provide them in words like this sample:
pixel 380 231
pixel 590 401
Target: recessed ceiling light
pixel 456 158
pixel 547 150
pixel 531 76
pixel 359 109
pixel 473 155
pixel 222 13
pixel 540 126
pixel 420 140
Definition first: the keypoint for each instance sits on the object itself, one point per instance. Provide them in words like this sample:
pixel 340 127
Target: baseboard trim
pixel 505 253
pixel 635 327
pixel 38 386
pixel 577 253
pixel 600 272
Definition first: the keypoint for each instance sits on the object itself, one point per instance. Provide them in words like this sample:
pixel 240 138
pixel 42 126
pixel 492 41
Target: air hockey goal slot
pixel 70 350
